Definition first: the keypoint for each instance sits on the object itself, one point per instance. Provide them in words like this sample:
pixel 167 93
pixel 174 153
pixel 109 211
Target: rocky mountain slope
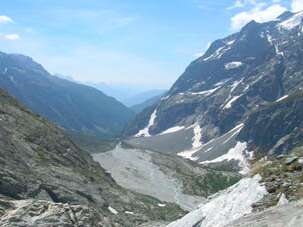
pixel 211 109
pixel 276 128
pixel 76 107
pixel 38 162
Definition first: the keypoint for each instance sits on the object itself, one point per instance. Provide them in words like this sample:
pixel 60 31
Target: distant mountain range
pixel 143 97
pixel 127 94
pixel 75 107
pixel 149 102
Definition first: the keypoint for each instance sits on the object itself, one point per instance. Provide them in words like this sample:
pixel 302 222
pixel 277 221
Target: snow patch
pixel 278 52
pixel 165 98
pixel 220 51
pixel 208 149
pixel 188 154
pixel 226 206
pixel 220 83
pixel 196 144
pixel 233 65
pixel 282 98
pixel 236 153
pixel 197 137
pixel 172 130
pixel 235 131
pixel 215 55
pixel 145 132
pixel 129 212
pixel 161 205
pixel 292 22
pixel 282 200
pixel 206 92
pixel 271 41
pixel 231 101
pixel 113 211
pixel 231 42
pixel 235 85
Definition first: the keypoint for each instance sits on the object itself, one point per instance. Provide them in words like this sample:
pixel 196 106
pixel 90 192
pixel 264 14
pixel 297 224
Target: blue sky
pixel 135 42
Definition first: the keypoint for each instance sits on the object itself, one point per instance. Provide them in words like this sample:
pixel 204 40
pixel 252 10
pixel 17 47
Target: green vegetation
pixel 209 183
pixel 282 174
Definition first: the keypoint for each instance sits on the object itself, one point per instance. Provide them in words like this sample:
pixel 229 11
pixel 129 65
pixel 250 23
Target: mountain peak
pixel 250 26
pixel 286 15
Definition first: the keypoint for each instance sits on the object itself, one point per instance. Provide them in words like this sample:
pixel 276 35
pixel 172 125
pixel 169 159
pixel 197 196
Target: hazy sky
pixel 139 42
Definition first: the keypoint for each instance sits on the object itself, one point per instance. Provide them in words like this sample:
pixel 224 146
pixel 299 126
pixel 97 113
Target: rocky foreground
pixel 290 215
pixel 44 174
pixel 44 213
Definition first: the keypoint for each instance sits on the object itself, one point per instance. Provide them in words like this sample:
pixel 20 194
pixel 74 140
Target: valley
pixel 167 178
pixel 222 147
pixel 134 169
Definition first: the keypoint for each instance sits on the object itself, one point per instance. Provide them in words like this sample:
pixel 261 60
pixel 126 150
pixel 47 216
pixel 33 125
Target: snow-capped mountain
pixel 215 98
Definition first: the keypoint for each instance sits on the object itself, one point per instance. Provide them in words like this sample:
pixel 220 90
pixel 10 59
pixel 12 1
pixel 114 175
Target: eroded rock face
pixel 37 161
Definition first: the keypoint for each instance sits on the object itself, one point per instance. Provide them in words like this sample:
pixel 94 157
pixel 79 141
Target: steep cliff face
pixel 37 161
pixel 208 105
pixel 276 128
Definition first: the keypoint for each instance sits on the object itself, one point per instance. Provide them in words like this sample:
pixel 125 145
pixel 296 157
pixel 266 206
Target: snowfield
pixel 292 22
pixel 226 206
pixel 282 98
pixel 231 101
pixel 145 132
pixel 233 65
pixel 196 144
pixel 237 153
pixel 172 130
pixel 197 136
pixel 206 92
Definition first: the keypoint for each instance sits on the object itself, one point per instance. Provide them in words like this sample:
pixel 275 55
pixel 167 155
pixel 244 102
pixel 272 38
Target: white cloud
pixel 5 19
pixel 258 13
pixel 10 37
pixel 297 5
pixel 242 4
